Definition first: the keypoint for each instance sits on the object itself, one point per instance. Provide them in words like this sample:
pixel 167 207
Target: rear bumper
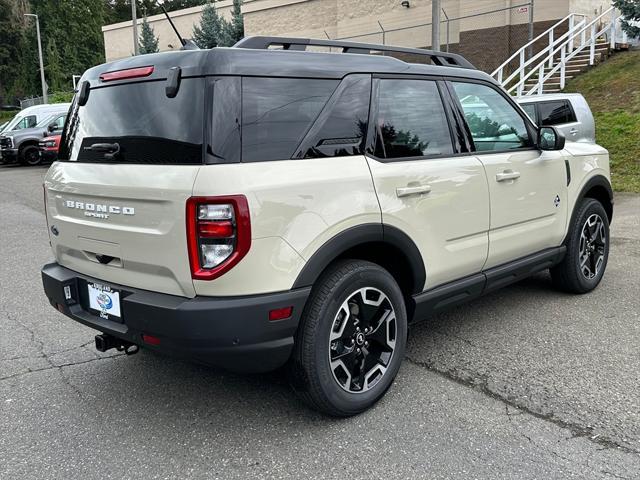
pixel 229 332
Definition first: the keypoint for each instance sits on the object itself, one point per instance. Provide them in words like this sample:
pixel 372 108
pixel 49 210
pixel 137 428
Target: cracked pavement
pixel 524 383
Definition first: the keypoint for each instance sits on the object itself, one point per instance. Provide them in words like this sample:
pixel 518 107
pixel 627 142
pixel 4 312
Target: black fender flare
pixel 360 235
pixel 595 181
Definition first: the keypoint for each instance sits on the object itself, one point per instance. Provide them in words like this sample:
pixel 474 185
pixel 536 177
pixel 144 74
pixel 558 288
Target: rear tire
pixel 351 339
pixel 587 250
pixel 30 155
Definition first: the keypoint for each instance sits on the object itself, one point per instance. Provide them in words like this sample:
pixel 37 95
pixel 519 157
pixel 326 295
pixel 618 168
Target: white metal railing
pixel 520 54
pixel 567 45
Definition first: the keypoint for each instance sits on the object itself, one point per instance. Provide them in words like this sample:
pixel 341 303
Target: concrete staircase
pixel 575 67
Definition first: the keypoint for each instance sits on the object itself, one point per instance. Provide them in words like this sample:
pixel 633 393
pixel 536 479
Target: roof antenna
pixel 186 44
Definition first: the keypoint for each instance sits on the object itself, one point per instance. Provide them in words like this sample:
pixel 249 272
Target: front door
pixel 438 198
pixel 527 186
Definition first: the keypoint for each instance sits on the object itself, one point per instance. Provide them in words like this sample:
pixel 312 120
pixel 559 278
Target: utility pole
pixel 44 84
pixel 435 25
pixel 136 49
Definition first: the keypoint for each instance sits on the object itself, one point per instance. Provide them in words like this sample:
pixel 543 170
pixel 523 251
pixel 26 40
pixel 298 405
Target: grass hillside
pixel 613 92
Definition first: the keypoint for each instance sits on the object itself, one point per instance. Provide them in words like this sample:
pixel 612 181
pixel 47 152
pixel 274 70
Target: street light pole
pixel 435 25
pixel 134 19
pixel 44 84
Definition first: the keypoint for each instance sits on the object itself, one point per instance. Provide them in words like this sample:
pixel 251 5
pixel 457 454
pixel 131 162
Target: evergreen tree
pixel 53 68
pixel 148 41
pixel 630 10
pixel 233 31
pixel 211 29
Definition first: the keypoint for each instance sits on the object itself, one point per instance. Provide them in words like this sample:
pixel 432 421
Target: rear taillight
pixel 218 234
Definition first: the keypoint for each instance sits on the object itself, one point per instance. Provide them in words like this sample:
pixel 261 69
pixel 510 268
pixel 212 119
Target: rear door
pixel 527 186
pixel 116 202
pixel 439 198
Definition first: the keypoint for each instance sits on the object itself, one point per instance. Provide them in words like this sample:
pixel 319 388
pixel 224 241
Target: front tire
pixel 351 340
pixel 30 156
pixel 587 250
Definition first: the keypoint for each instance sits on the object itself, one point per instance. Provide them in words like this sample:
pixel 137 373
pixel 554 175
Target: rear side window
pixel 411 120
pixel 341 128
pixel 277 113
pixel 140 122
pixel 556 112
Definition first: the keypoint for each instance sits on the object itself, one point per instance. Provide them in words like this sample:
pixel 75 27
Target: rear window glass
pixel 277 113
pixel 138 123
pixel 555 113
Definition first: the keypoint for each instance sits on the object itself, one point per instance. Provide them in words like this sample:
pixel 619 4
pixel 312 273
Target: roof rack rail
pixel 443 59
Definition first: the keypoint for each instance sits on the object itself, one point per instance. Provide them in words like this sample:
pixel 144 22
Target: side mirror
pixel 550 138
pixel 52 127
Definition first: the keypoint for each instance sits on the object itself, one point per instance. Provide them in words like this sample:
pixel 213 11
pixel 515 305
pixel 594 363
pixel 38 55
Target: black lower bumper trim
pixel 229 332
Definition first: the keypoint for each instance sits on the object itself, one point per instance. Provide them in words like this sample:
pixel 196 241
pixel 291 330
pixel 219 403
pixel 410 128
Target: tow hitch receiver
pixel 106 342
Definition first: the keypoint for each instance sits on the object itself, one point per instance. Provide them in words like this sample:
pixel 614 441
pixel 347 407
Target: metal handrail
pixel 565 58
pixel 520 70
pixel 522 49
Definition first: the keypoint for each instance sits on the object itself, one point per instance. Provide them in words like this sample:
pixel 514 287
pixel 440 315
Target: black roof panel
pixel 274 63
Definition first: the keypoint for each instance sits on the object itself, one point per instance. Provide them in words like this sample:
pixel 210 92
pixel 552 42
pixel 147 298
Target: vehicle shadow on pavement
pixel 149 382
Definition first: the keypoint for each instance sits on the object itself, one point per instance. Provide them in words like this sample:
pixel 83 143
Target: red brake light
pixel 218 234
pixel 128 73
pixel 220 229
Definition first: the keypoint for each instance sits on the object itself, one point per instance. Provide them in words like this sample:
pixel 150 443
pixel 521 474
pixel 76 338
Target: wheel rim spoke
pixel 362 340
pixel 592 246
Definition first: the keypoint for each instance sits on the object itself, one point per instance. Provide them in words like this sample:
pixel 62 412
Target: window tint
pixel 148 126
pixel 341 128
pixel 224 141
pixel 530 109
pixel 493 122
pixel 556 112
pixel 27 122
pixel 276 114
pixel 58 123
pixel 411 121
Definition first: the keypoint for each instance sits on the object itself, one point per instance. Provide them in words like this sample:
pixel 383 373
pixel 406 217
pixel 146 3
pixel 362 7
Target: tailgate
pixel 122 223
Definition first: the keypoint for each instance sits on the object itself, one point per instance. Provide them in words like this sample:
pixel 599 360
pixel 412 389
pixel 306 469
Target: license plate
pixel 105 300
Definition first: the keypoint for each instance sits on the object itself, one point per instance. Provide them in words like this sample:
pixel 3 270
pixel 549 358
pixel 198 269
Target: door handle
pixel 413 190
pixel 573 131
pixel 507 175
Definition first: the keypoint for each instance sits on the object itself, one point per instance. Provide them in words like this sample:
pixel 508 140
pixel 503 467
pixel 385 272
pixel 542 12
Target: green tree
pixel 53 68
pixel 212 28
pixel 148 41
pixel 630 10
pixel 233 30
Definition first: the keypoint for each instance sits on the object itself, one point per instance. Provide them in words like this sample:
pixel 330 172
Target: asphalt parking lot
pixel 524 383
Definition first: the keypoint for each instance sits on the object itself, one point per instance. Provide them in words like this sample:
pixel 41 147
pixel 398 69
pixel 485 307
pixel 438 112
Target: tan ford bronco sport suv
pixel 263 205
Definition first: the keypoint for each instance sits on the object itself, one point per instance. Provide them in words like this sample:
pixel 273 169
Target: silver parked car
pixel 569 112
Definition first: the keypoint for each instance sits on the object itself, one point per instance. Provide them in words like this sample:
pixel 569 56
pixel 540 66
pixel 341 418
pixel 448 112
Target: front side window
pixel 494 123
pixel 555 113
pixel 277 113
pixel 58 123
pixel 530 109
pixel 411 121
pixel 29 121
